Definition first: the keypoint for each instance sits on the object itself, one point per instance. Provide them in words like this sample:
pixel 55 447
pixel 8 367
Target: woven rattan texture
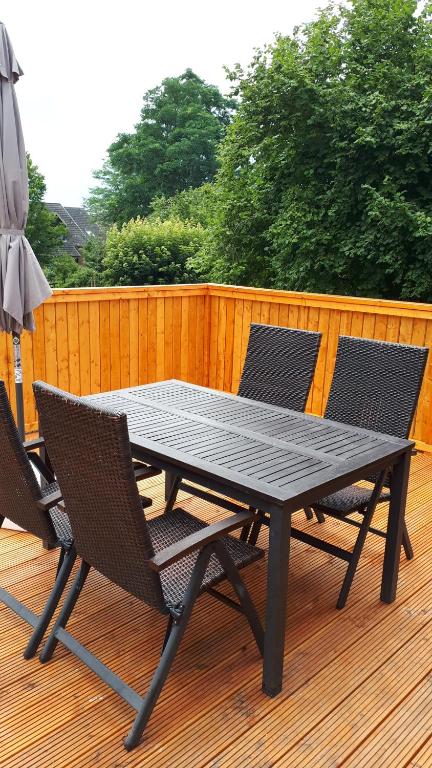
pixel 89 449
pixel 19 489
pixel 62 526
pixel 349 499
pixel 279 365
pixel 376 385
pixel 168 529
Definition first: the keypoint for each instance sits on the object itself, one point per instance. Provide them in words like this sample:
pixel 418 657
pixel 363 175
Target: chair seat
pixel 176 525
pixel 349 499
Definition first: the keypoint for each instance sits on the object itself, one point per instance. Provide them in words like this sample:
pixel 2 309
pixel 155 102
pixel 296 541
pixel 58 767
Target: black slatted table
pixel 270 458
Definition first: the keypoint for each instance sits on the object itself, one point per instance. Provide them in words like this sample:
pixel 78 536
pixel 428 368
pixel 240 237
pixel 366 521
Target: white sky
pixel 87 65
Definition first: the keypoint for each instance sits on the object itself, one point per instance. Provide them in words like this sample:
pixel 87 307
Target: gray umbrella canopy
pixel 23 285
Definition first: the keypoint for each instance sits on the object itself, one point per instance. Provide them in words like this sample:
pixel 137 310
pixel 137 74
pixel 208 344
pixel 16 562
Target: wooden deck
pixel 358 686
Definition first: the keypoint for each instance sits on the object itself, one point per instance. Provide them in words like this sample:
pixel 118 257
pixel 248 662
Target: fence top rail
pixel 322 300
pixel 111 293
pixel 325 300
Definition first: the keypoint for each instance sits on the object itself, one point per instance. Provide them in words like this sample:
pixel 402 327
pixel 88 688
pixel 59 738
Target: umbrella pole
pixel 18 384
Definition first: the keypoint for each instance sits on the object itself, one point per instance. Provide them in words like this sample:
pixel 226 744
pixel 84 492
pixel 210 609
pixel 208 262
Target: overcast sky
pixel 87 65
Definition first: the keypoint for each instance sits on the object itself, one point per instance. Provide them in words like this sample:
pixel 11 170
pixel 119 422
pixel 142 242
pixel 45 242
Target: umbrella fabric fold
pixel 23 285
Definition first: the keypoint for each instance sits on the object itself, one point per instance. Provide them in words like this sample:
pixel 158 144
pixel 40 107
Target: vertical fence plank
pixel 168 339
pixel 62 346
pixel 95 349
pixel 221 332
pixel 214 322
pixel 74 347
pixel 176 337
pixel 133 343
pixel 124 351
pixel 84 347
pixel 237 344
pixel 105 345
pixel 151 339
pixel 192 334
pixel 184 338
pixel 229 345
pixel 199 339
pixel 160 339
pixel 142 341
pixel 114 334
pixel 51 364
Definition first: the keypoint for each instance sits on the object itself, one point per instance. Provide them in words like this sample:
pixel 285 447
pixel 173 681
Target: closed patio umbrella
pixel 23 285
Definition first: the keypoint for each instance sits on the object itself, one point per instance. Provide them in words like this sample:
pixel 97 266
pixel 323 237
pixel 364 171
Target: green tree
pixel 44 231
pixel 326 171
pixel 194 205
pixel 144 252
pixel 172 148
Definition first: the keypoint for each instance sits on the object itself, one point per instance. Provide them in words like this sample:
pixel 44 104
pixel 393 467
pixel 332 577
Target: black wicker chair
pixel 279 367
pixel 376 385
pixel 36 510
pixel 166 562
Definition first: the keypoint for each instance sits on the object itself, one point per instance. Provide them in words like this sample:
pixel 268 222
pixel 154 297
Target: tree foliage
pixel 172 148
pixel 143 252
pixel 194 205
pixel 326 171
pixel 44 231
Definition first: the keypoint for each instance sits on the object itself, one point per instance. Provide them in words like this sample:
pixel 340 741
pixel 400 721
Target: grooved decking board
pixel 358 685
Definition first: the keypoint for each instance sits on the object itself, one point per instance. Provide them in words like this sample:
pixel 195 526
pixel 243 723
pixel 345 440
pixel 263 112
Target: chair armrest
pixel 49 501
pixel 199 539
pixel 31 445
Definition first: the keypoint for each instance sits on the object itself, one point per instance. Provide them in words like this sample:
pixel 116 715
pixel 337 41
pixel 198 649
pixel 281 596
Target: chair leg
pixel 255 529
pixel 352 565
pixel 167 632
pixel 406 543
pixel 309 512
pixel 60 560
pixel 68 606
pixel 172 495
pixel 66 562
pixel 245 531
pixel 170 650
pixel 243 595
pixel 361 538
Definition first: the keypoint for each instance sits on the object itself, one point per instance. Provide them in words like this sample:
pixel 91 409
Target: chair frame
pixel 117 498
pixel 42 506
pixel 208 543
pixel 367 510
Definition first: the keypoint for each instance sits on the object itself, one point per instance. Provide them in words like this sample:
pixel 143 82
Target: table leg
pixel 396 517
pixel 277 587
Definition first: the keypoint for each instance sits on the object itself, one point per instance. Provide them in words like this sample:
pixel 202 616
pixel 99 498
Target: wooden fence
pixel 95 339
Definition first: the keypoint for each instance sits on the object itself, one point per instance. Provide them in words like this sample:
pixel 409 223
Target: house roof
pixel 79 226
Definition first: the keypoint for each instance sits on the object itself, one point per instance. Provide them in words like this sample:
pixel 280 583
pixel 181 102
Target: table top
pixel 265 453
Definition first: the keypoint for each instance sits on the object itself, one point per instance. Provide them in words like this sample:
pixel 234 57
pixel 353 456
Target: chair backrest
pixel 19 489
pixel 90 451
pixel 376 385
pixel 279 365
